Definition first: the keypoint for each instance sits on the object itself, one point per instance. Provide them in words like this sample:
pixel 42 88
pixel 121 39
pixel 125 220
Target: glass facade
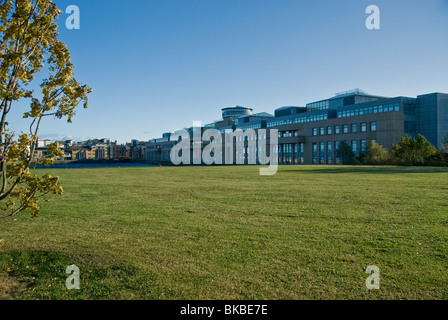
pixel 319 105
pixel 369 110
pixel 296 119
pixel 236 111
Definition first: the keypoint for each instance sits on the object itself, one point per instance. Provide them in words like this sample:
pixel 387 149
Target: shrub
pixel 413 151
pixel 438 159
pixel 376 154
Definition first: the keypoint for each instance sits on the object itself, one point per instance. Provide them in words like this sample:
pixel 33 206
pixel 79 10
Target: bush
pixel 438 159
pixel 376 154
pixel 408 152
pixel 413 151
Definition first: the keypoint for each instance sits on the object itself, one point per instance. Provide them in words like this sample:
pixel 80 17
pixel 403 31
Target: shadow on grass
pixel 363 169
pixel 41 275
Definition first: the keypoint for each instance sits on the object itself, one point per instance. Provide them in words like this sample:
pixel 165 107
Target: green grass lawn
pixel 308 232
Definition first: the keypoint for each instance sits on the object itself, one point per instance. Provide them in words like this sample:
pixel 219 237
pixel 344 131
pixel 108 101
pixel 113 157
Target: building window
pixel 354 128
pixel 322 131
pixel 354 147
pixel 373 126
pixel 329 152
pixel 336 147
pixel 301 155
pixel 314 131
pixel 363 146
pixel 337 130
pixel 363 127
pixel 329 130
pixel 322 153
pixel 345 128
pixel 322 147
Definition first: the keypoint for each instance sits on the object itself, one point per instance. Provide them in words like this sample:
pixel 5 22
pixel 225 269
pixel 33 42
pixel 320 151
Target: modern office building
pixel 312 134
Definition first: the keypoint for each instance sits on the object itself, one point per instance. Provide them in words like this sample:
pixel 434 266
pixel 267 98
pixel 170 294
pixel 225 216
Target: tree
pixel 413 151
pixel 376 154
pixel 444 146
pixel 29 45
pixel 345 153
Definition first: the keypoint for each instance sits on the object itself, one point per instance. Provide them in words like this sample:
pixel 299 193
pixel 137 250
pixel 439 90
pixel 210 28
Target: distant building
pixel 158 150
pixel 43 143
pixel 119 152
pixel 92 149
pixel 83 153
pixel 41 149
pixel 137 150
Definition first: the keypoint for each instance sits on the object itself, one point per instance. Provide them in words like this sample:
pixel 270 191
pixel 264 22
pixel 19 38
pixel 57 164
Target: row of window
pixel 323 151
pixel 323 147
pixel 340 114
pixel 291 153
pixel 314 118
pixel 345 129
pixel 369 110
pixel 255 126
pixel 250 137
pixel 288 134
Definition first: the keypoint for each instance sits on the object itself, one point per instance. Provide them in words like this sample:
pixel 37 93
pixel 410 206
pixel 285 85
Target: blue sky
pixel 159 65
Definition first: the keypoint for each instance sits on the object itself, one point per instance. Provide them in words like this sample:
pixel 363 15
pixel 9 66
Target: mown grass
pixel 308 232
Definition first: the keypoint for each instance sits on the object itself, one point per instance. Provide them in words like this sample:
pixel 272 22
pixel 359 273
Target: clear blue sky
pixel 159 65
